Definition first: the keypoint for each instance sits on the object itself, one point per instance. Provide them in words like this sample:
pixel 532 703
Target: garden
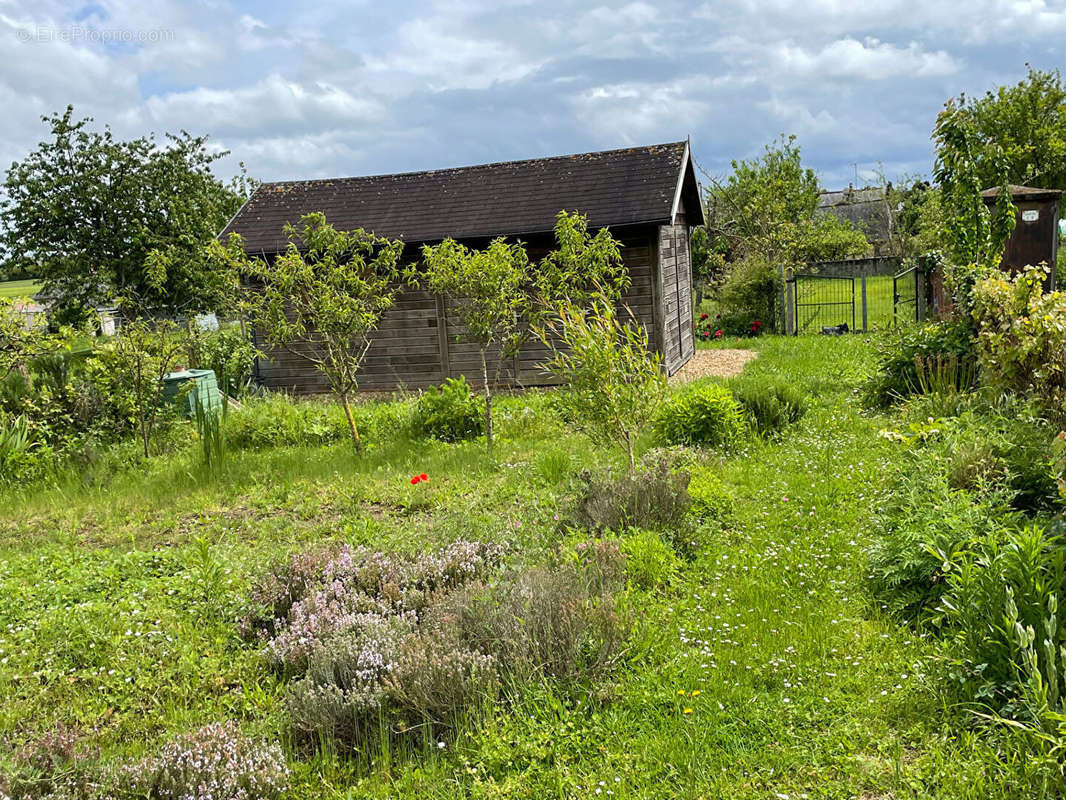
pixel 800 591
pixel 830 571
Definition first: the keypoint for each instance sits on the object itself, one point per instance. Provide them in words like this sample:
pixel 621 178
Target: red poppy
pixel 718 334
pixel 703 316
pixel 423 477
pixel 756 324
pixel 415 480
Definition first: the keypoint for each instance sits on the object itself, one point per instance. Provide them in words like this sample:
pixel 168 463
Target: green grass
pixel 25 288
pixel 763 670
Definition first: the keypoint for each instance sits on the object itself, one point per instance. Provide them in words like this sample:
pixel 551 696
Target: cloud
pixel 361 87
pixel 869 60
pixel 273 104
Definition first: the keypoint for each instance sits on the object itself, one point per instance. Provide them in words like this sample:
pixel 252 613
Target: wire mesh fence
pixel 813 301
pixel 822 301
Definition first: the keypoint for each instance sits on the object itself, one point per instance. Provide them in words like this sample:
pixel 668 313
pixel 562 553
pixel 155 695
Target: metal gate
pixel 905 296
pixel 822 301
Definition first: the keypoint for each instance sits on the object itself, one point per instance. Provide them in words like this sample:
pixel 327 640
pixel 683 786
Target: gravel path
pixel 713 363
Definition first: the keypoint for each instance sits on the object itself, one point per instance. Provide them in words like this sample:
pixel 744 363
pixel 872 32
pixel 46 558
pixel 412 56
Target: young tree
pixel 490 290
pixel 322 299
pixel 139 356
pixel 501 298
pixel 974 234
pixel 615 381
pixel 84 211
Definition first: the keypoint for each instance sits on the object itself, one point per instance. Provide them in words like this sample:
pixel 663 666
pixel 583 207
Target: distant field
pixel 18 288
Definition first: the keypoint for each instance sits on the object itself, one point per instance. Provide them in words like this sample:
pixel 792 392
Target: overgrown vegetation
pixel 595 612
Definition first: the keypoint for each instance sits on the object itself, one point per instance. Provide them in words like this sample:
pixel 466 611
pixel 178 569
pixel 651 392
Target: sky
pixel 358 88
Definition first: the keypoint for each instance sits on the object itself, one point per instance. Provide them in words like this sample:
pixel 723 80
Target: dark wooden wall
pixel 419 344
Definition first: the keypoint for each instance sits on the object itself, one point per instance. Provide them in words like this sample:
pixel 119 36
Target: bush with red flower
pixel 707 328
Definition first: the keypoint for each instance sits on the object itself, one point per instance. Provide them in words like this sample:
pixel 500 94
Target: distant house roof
pixel 1024 192
pixel 612 187
pixel 865 208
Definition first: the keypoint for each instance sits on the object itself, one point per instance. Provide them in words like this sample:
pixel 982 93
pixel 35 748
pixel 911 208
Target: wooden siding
pixel 675 285
pixel 419 343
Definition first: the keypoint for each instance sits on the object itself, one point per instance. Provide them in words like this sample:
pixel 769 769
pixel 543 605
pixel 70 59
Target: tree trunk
pixel 629 452
pixel 488 400
pixel 356 441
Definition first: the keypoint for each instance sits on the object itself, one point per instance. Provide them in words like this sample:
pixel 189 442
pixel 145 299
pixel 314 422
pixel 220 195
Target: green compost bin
pixel 204 386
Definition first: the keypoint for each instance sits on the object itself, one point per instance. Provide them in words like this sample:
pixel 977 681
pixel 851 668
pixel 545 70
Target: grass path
pixel 764 672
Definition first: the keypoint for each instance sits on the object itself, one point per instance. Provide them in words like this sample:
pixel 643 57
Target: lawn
pixel 763 670
pixel 25 288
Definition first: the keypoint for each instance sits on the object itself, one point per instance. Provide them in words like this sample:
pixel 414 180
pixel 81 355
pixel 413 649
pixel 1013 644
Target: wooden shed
pixel 647 196
pixel 1035 238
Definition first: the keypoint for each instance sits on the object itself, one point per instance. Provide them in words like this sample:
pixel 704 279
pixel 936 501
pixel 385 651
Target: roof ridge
pixel 474 166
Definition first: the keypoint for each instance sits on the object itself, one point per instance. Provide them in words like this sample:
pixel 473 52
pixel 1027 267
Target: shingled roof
pixel 613 188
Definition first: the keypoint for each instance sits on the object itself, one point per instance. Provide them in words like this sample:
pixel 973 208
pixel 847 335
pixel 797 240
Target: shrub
pixel 701 413
pixel 770 404
pixel 216 762
pixel 413 674
pixel 546 622
pixel 653 498
pixel 911 356
pixel 710 500
pixel 230 353
pixel 449 413
pixel 650 562
pixel 1006 446
pixel 925 518
pixel 382 646
pixel 1021 335
pixel 353 591
pixel 749 293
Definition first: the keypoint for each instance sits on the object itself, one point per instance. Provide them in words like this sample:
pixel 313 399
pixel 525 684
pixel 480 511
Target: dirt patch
pixel 713 364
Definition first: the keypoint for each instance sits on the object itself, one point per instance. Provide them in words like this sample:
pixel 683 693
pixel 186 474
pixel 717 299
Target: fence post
pixel 920 306
pixel 863 284
pixel 789 291
pixel 782 317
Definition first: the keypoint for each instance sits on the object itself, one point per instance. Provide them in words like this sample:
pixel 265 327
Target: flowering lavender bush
pixel 385 682
pixel 354 590
pixel 350 631
pixel 215 763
